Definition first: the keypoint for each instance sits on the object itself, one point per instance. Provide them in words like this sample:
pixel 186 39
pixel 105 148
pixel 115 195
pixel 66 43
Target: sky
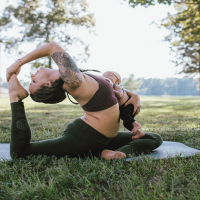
pixel 125 41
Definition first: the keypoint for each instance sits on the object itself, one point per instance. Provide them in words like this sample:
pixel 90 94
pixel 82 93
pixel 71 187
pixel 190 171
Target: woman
pixel 95 133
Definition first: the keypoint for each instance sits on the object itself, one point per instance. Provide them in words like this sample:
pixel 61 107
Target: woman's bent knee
pixel 158 139
pixel 155 137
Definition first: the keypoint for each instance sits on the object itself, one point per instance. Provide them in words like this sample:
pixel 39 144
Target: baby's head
pixel 113 76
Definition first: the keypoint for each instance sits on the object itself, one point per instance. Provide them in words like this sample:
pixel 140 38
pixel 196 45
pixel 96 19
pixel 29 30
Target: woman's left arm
pixel 69 72
pixel 37 53
pixel 135 100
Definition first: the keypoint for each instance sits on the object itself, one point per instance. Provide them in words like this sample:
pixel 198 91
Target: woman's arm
pixel 38 53
pixel 135 100
pixel 69 72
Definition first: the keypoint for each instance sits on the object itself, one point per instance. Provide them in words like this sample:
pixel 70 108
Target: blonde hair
pixel 116 75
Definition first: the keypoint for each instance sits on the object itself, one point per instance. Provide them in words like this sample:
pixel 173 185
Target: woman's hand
pixel 13 69
pixel 135 100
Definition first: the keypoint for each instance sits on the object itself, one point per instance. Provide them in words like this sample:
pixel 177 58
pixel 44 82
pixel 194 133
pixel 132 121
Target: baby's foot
pixel 16 91
pixel 111 155
pixel 136 127
pixel 138 135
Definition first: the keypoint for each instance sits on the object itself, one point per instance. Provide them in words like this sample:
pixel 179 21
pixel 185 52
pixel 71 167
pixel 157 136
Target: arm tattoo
pixel 69 72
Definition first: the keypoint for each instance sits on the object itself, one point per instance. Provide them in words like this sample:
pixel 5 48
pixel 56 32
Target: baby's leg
pixel 136 127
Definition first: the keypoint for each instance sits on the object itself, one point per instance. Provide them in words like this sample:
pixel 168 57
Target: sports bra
pixel 103 98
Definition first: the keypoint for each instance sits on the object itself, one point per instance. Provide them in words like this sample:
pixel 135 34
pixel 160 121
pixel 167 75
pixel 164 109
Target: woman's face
pixel 38 79
pixel 110 76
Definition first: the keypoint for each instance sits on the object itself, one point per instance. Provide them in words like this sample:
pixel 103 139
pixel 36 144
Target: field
pixel 174 118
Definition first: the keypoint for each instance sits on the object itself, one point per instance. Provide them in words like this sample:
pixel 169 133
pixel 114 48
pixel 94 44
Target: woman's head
pixel 113 76
pixel 46 86
pixel 51 95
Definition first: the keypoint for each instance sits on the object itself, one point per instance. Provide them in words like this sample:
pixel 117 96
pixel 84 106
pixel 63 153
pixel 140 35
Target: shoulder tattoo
pixel 68 69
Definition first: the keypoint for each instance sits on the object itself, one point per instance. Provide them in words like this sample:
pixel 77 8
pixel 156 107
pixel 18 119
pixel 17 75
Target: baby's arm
pixel 118 91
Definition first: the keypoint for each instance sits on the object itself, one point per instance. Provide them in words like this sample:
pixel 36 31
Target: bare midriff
pixel 105 121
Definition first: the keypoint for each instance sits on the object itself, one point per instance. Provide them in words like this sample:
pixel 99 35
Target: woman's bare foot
pixel 138 135
pixel 111 155
pixel 136 127
pixel 16 91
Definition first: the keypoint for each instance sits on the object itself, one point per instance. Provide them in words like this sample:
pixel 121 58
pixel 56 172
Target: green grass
pixel 175 119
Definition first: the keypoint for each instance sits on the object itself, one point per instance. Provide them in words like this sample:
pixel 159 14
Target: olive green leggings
pixel 78 140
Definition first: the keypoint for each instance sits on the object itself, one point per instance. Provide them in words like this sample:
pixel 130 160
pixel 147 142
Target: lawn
pixel 174 118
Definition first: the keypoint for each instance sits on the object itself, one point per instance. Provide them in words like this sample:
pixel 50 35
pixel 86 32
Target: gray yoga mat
pixel 166 150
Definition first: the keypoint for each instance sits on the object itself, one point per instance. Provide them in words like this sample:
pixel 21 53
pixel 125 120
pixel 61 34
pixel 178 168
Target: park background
pixel 123 40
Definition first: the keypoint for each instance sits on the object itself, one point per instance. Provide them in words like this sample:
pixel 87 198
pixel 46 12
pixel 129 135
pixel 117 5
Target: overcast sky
pixel 125 41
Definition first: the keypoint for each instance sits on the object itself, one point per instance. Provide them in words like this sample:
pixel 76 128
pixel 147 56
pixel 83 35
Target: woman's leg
pixel 75 142
pixel 20 146
pixel 20 131
pixel 123 143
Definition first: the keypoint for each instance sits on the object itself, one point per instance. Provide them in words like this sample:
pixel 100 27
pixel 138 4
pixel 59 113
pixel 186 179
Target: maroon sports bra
pixel 103 98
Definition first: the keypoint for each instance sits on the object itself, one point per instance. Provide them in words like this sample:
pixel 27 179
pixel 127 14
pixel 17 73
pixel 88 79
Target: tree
pixel 146 3
pixel 184 30
pixel 130 83
pixel 184 35
pixel 43 21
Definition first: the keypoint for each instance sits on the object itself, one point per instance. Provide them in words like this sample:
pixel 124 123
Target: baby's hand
pixel 135 100
pixel 136 127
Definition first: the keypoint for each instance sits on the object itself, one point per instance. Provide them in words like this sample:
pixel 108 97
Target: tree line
pixel 152 86
pixel 157 86
pixel 168 86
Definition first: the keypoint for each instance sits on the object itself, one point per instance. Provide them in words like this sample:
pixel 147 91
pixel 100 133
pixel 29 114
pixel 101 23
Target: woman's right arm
pixel 134 100
pixel 69 71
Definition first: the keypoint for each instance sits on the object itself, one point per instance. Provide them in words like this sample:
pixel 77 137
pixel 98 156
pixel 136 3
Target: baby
pixel 125 112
